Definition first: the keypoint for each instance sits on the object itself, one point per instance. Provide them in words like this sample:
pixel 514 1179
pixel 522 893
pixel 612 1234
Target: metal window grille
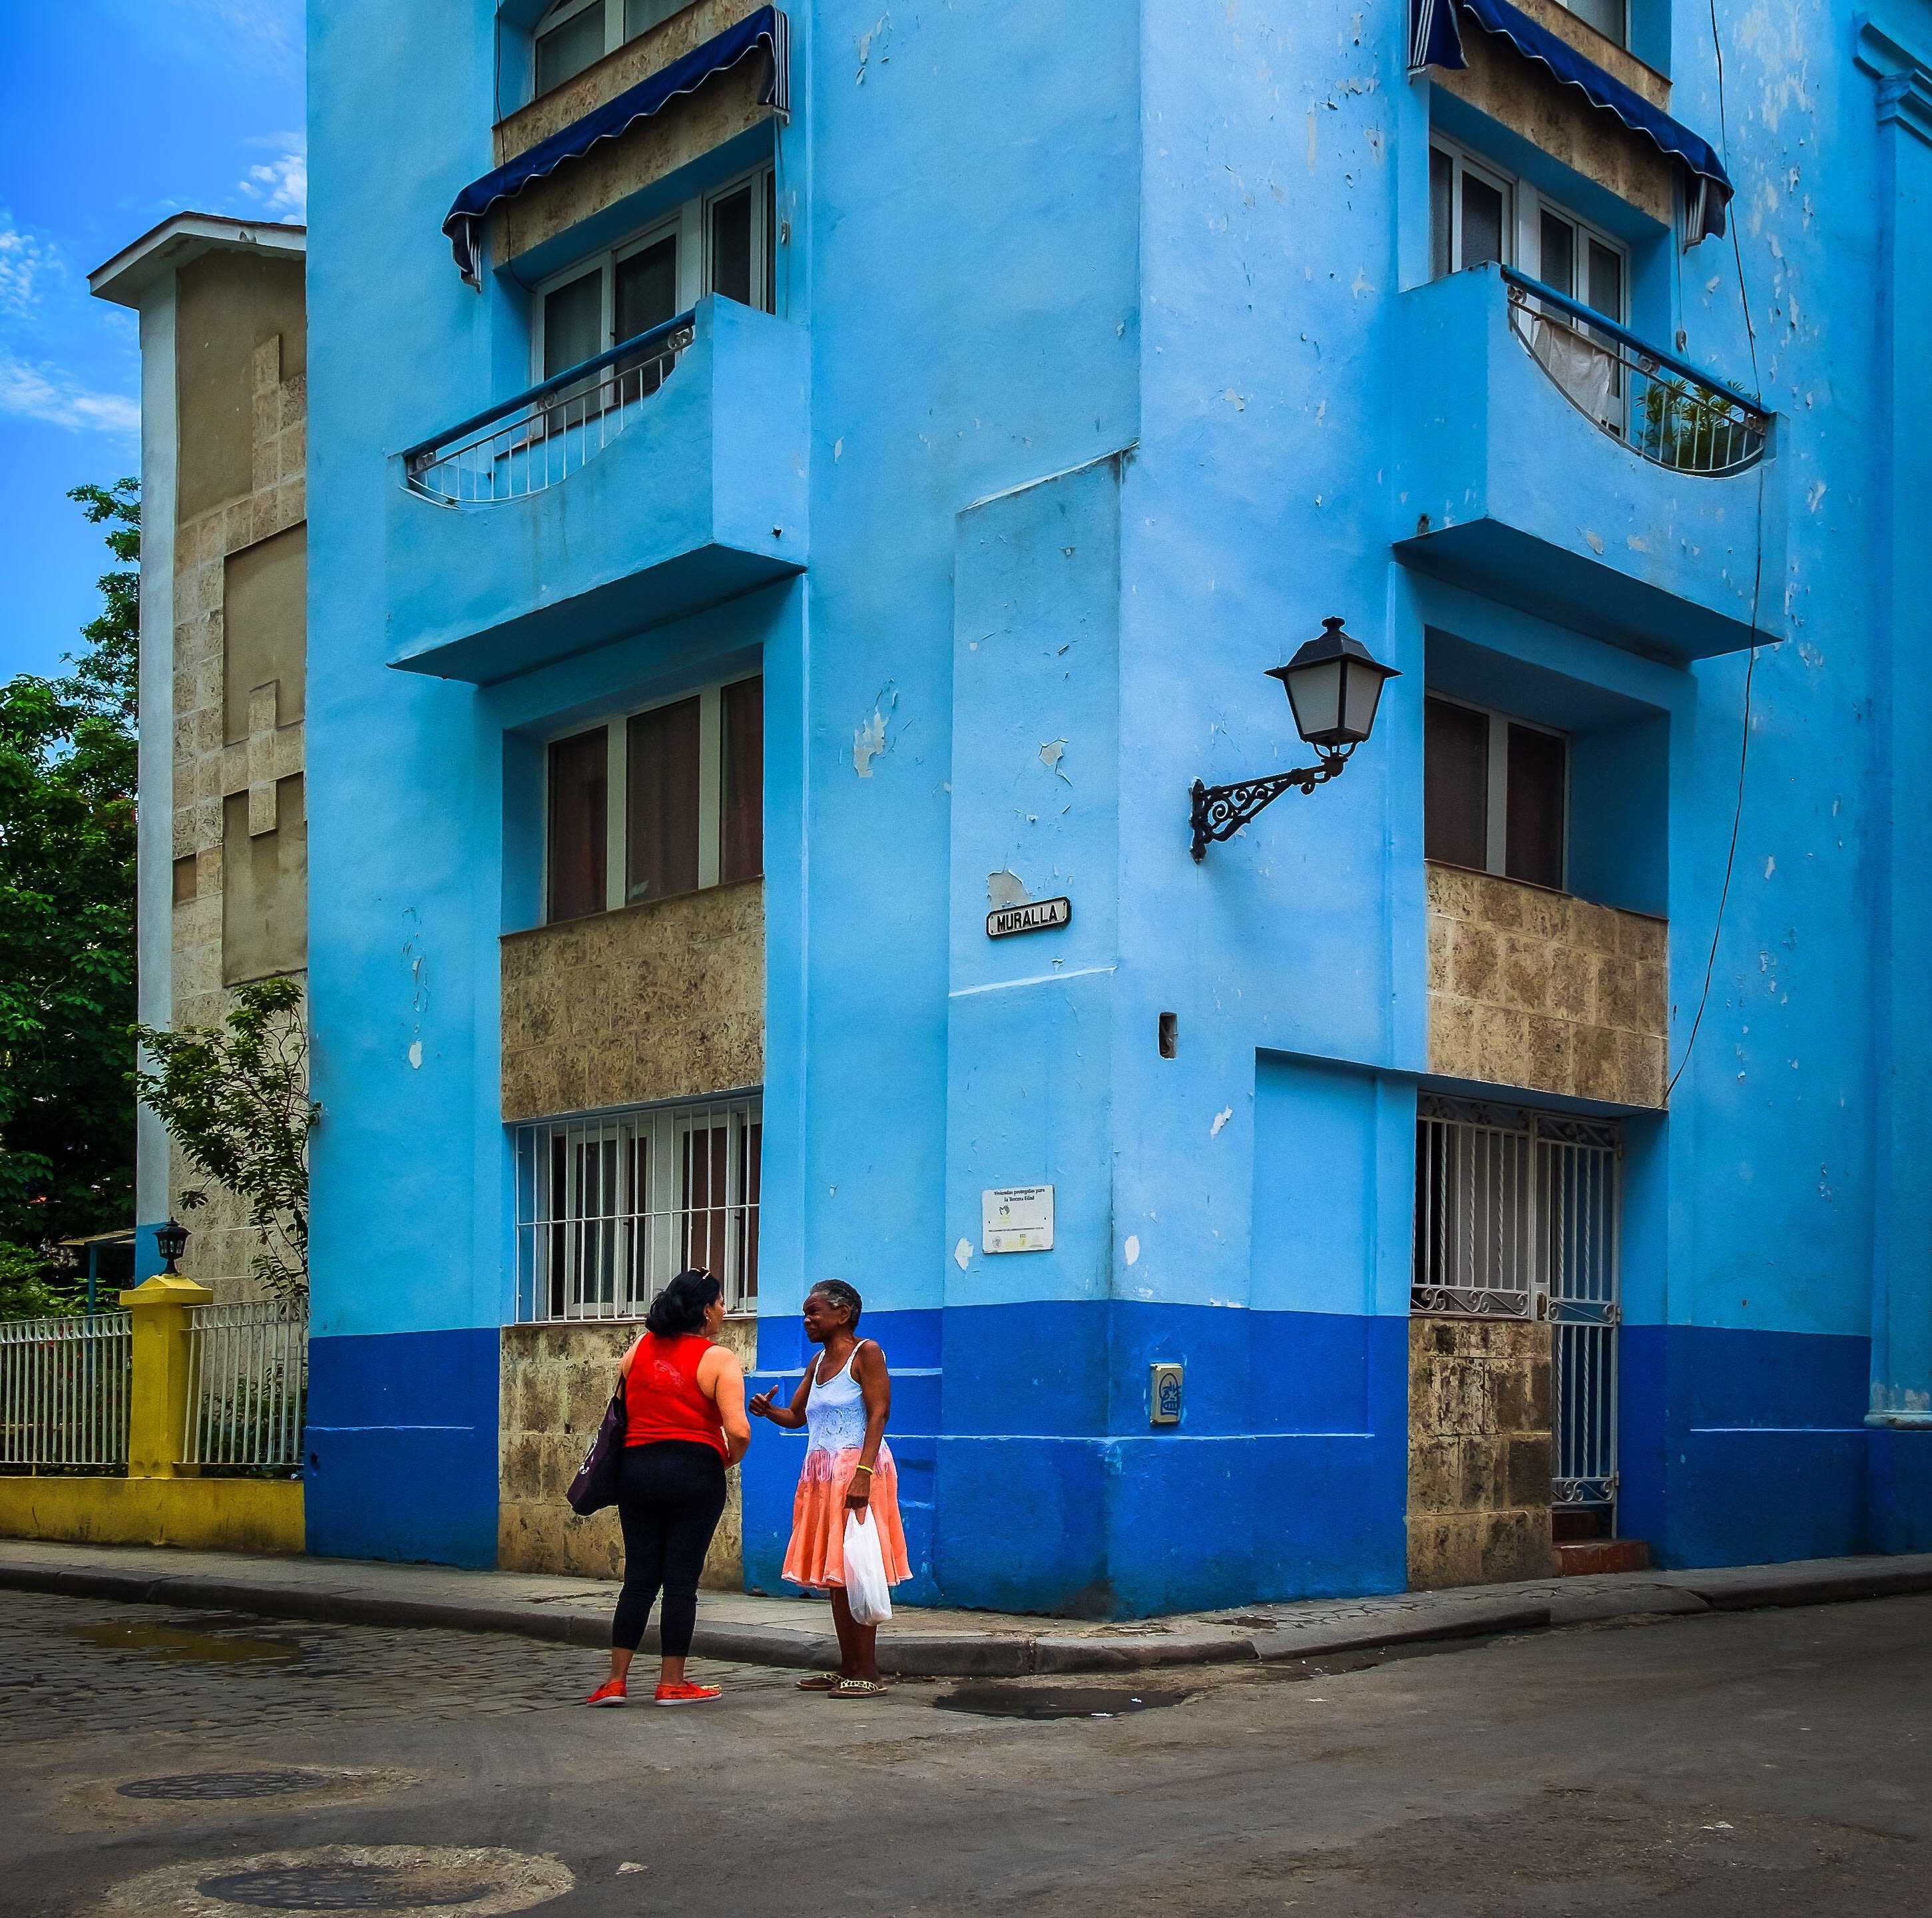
pixel 248 1387
pixel 609 1210
pixel 63 1393
pixel 1475 1212
pixel 1517 1216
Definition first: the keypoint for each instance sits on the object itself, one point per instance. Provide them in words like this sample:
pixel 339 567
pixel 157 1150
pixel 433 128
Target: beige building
pixel 223 851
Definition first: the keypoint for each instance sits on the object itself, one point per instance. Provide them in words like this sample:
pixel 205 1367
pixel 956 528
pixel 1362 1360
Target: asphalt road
pixel 1759 1763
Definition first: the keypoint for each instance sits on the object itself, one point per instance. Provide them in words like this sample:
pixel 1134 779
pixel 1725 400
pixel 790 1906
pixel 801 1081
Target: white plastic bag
pixel 866 1591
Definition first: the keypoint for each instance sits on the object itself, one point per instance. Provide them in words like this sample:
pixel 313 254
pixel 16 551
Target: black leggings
pixel 670 1496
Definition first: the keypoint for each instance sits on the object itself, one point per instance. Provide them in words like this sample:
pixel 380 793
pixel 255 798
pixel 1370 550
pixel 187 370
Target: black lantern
pixel 171 1241
pixel 1333 686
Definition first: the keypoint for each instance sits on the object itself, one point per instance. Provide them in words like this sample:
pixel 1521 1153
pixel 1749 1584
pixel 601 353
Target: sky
pixel 114 114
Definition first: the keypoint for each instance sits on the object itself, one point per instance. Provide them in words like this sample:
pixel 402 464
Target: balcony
pixel 1553 461
pixel 657 480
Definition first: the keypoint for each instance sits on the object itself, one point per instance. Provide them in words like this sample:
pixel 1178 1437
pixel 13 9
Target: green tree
pixel 235 1098
pixel 66 933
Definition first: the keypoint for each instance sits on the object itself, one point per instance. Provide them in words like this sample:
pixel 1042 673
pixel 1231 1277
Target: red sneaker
pixel 611 1692
pixel 686 1694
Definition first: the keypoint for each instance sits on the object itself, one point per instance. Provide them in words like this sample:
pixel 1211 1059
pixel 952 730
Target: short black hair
pixel 681 1307
pixel 840 1293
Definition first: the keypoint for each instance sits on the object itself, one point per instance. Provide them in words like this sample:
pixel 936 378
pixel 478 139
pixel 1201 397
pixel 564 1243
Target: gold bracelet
pixel 866 1468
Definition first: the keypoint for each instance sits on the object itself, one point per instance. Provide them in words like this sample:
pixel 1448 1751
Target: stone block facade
pixel 240 851
pixel 1479 1452
pixel 661 1000
pixel 556 1381
pixel 1533 990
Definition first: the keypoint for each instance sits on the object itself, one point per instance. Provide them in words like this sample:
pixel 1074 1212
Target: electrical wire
pixel 1757 588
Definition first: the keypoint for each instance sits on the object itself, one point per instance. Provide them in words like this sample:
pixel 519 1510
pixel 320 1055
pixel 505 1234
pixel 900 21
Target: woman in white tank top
pixel 843 1401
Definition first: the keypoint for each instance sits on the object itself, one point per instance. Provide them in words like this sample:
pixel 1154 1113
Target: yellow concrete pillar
pixel 157 1402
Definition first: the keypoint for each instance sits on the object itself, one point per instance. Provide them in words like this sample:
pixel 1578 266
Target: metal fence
pixel 1661 407
pixel 64 1392
pixel 543 436
pixel 247 1387
pixel 610 1209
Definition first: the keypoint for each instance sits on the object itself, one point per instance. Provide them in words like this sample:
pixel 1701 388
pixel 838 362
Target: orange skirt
pixel 816 1555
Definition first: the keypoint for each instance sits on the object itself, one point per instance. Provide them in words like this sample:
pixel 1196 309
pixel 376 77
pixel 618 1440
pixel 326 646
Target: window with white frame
pixel 1495 792
pixel 1477 213
pixel 657 802
pixel 1471 219
pixel 719 242
pixel 573 34
pixel 610 1209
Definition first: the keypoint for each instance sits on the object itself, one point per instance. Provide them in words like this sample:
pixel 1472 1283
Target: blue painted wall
pixel 1113 317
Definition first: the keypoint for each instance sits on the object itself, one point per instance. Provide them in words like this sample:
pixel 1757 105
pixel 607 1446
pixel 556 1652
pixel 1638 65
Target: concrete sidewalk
pixel 918 1643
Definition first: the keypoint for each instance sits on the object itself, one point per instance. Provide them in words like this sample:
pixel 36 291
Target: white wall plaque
pixel 1037 916
pixel 1016 1218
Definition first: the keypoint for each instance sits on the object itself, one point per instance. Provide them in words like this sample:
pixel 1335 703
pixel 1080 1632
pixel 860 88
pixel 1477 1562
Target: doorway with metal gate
pixel 1518 1216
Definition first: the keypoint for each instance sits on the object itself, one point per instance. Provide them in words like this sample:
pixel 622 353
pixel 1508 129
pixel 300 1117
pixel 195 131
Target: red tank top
pixel 662 1398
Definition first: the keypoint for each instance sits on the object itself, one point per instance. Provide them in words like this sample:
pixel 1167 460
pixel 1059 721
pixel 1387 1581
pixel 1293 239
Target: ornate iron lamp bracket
pixel 1219 813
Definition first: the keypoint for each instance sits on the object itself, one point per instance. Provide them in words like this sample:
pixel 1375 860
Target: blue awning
pixel 1435 40
pixel 767 28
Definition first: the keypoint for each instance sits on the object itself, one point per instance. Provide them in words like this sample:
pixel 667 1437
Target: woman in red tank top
pixel 685 1423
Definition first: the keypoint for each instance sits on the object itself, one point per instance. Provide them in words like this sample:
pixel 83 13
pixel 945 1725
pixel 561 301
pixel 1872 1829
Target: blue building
pixel 787 491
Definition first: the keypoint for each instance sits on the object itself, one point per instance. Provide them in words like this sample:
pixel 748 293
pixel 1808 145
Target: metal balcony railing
pixel 543 436
pixel 1660 406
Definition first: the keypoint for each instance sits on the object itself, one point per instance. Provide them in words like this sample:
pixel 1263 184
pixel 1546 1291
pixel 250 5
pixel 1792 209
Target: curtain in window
pixel 741 835
pixel 579 824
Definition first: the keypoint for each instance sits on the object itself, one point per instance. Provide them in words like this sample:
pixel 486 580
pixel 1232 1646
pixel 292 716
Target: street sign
pixel 1016 1218
pixel 1037 916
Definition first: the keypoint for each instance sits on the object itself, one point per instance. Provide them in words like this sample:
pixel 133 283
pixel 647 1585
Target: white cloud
pixel 268 30
pixel 281 185
pixel 24 260
pixel 46 393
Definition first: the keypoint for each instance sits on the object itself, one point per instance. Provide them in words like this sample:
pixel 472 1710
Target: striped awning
pixel 1435 40
pixel 768 28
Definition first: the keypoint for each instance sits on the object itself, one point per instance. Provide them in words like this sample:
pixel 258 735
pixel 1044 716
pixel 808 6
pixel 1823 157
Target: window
pixel 1495 792
pixel 1470 213
pixel 1580 262
pixel 573 35
pixel 657 802
pixel 609 1210
pixel 1609 17
pixel 717 243
pixel 579 780
pixel 1476 213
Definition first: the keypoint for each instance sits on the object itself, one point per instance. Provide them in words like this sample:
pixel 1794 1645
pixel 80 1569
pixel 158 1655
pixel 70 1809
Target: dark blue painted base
pixel 1033 1481
pixel 1900 1481
pixel 1742 1448
pixel 402 1447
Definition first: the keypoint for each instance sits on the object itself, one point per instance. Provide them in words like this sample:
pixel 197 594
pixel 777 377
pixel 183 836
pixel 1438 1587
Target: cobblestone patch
pixel 69 1668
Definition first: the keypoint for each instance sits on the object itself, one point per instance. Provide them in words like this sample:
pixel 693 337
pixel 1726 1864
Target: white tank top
pixel 835 1411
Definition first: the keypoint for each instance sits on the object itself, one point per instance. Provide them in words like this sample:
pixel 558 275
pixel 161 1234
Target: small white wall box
pixel 1016 1218
pixel 1164 1394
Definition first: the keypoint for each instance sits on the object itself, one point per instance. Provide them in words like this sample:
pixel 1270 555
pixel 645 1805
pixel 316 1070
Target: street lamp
pixel 1334 686
pixel 171 1241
